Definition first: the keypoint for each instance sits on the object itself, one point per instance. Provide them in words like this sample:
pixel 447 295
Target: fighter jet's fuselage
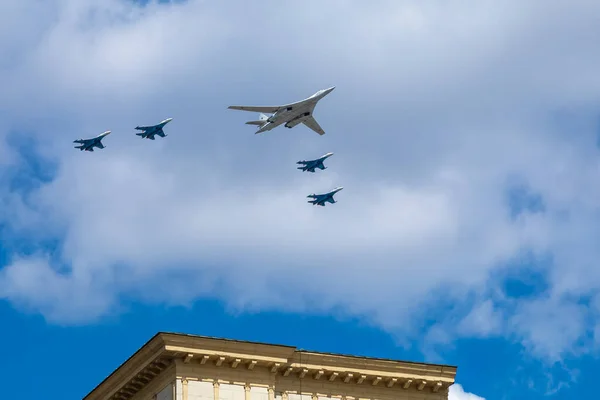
pixel 311 165
pixel 320 199
pixel 148 132
pixel 89 144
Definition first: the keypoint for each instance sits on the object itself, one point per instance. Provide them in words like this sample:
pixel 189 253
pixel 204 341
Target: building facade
pixel 184 367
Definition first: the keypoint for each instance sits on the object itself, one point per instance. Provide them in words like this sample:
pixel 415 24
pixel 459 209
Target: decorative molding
pixel 192 352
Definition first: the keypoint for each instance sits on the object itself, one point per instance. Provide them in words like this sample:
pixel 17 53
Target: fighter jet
pixel 312 164
pixel 89 144
pixel 289 114
pixel 320 199
pixel 150 131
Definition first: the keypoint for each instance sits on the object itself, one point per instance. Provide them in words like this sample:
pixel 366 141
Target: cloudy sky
pixel 466 136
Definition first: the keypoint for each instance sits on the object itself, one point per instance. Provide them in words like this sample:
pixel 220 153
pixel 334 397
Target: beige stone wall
pixel 265 385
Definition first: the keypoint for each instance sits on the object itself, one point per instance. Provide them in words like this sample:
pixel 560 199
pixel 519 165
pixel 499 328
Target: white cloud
pixel 457 392
pixel 437 109
pixel 483 320
pixel 551 327
pixel 31 284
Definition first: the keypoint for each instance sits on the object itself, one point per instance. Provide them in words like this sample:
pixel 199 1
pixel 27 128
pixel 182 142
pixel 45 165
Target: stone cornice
pixel 165 349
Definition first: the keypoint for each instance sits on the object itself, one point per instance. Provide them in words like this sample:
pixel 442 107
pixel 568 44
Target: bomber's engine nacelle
pixel 296 121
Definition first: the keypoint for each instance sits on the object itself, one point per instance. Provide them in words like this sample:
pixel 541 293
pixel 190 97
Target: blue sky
pixel 465 138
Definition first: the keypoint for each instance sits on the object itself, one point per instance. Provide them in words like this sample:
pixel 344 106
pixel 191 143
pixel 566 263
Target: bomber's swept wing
pixel 311 123
pixel 259 109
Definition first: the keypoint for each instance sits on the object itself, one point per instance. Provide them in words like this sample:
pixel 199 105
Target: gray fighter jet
pixel 89 144
pixel 150 131
pixel 320 199
pixel 312 164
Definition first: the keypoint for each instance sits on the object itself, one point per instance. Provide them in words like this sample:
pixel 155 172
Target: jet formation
pixel 289 115
pixel 148 132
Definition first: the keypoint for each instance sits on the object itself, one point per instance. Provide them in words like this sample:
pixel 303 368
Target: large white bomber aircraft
pixel 289 114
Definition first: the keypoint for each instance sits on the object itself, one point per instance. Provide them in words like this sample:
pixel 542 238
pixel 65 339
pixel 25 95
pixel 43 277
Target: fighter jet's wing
pixel 311 123
pixel 143 128
pixel 99 144
pixel 259 109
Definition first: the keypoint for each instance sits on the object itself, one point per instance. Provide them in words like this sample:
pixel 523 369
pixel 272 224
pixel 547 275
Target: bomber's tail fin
pixel 262 119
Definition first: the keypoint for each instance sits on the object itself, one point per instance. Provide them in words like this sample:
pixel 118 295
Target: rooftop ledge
pixel 166 349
